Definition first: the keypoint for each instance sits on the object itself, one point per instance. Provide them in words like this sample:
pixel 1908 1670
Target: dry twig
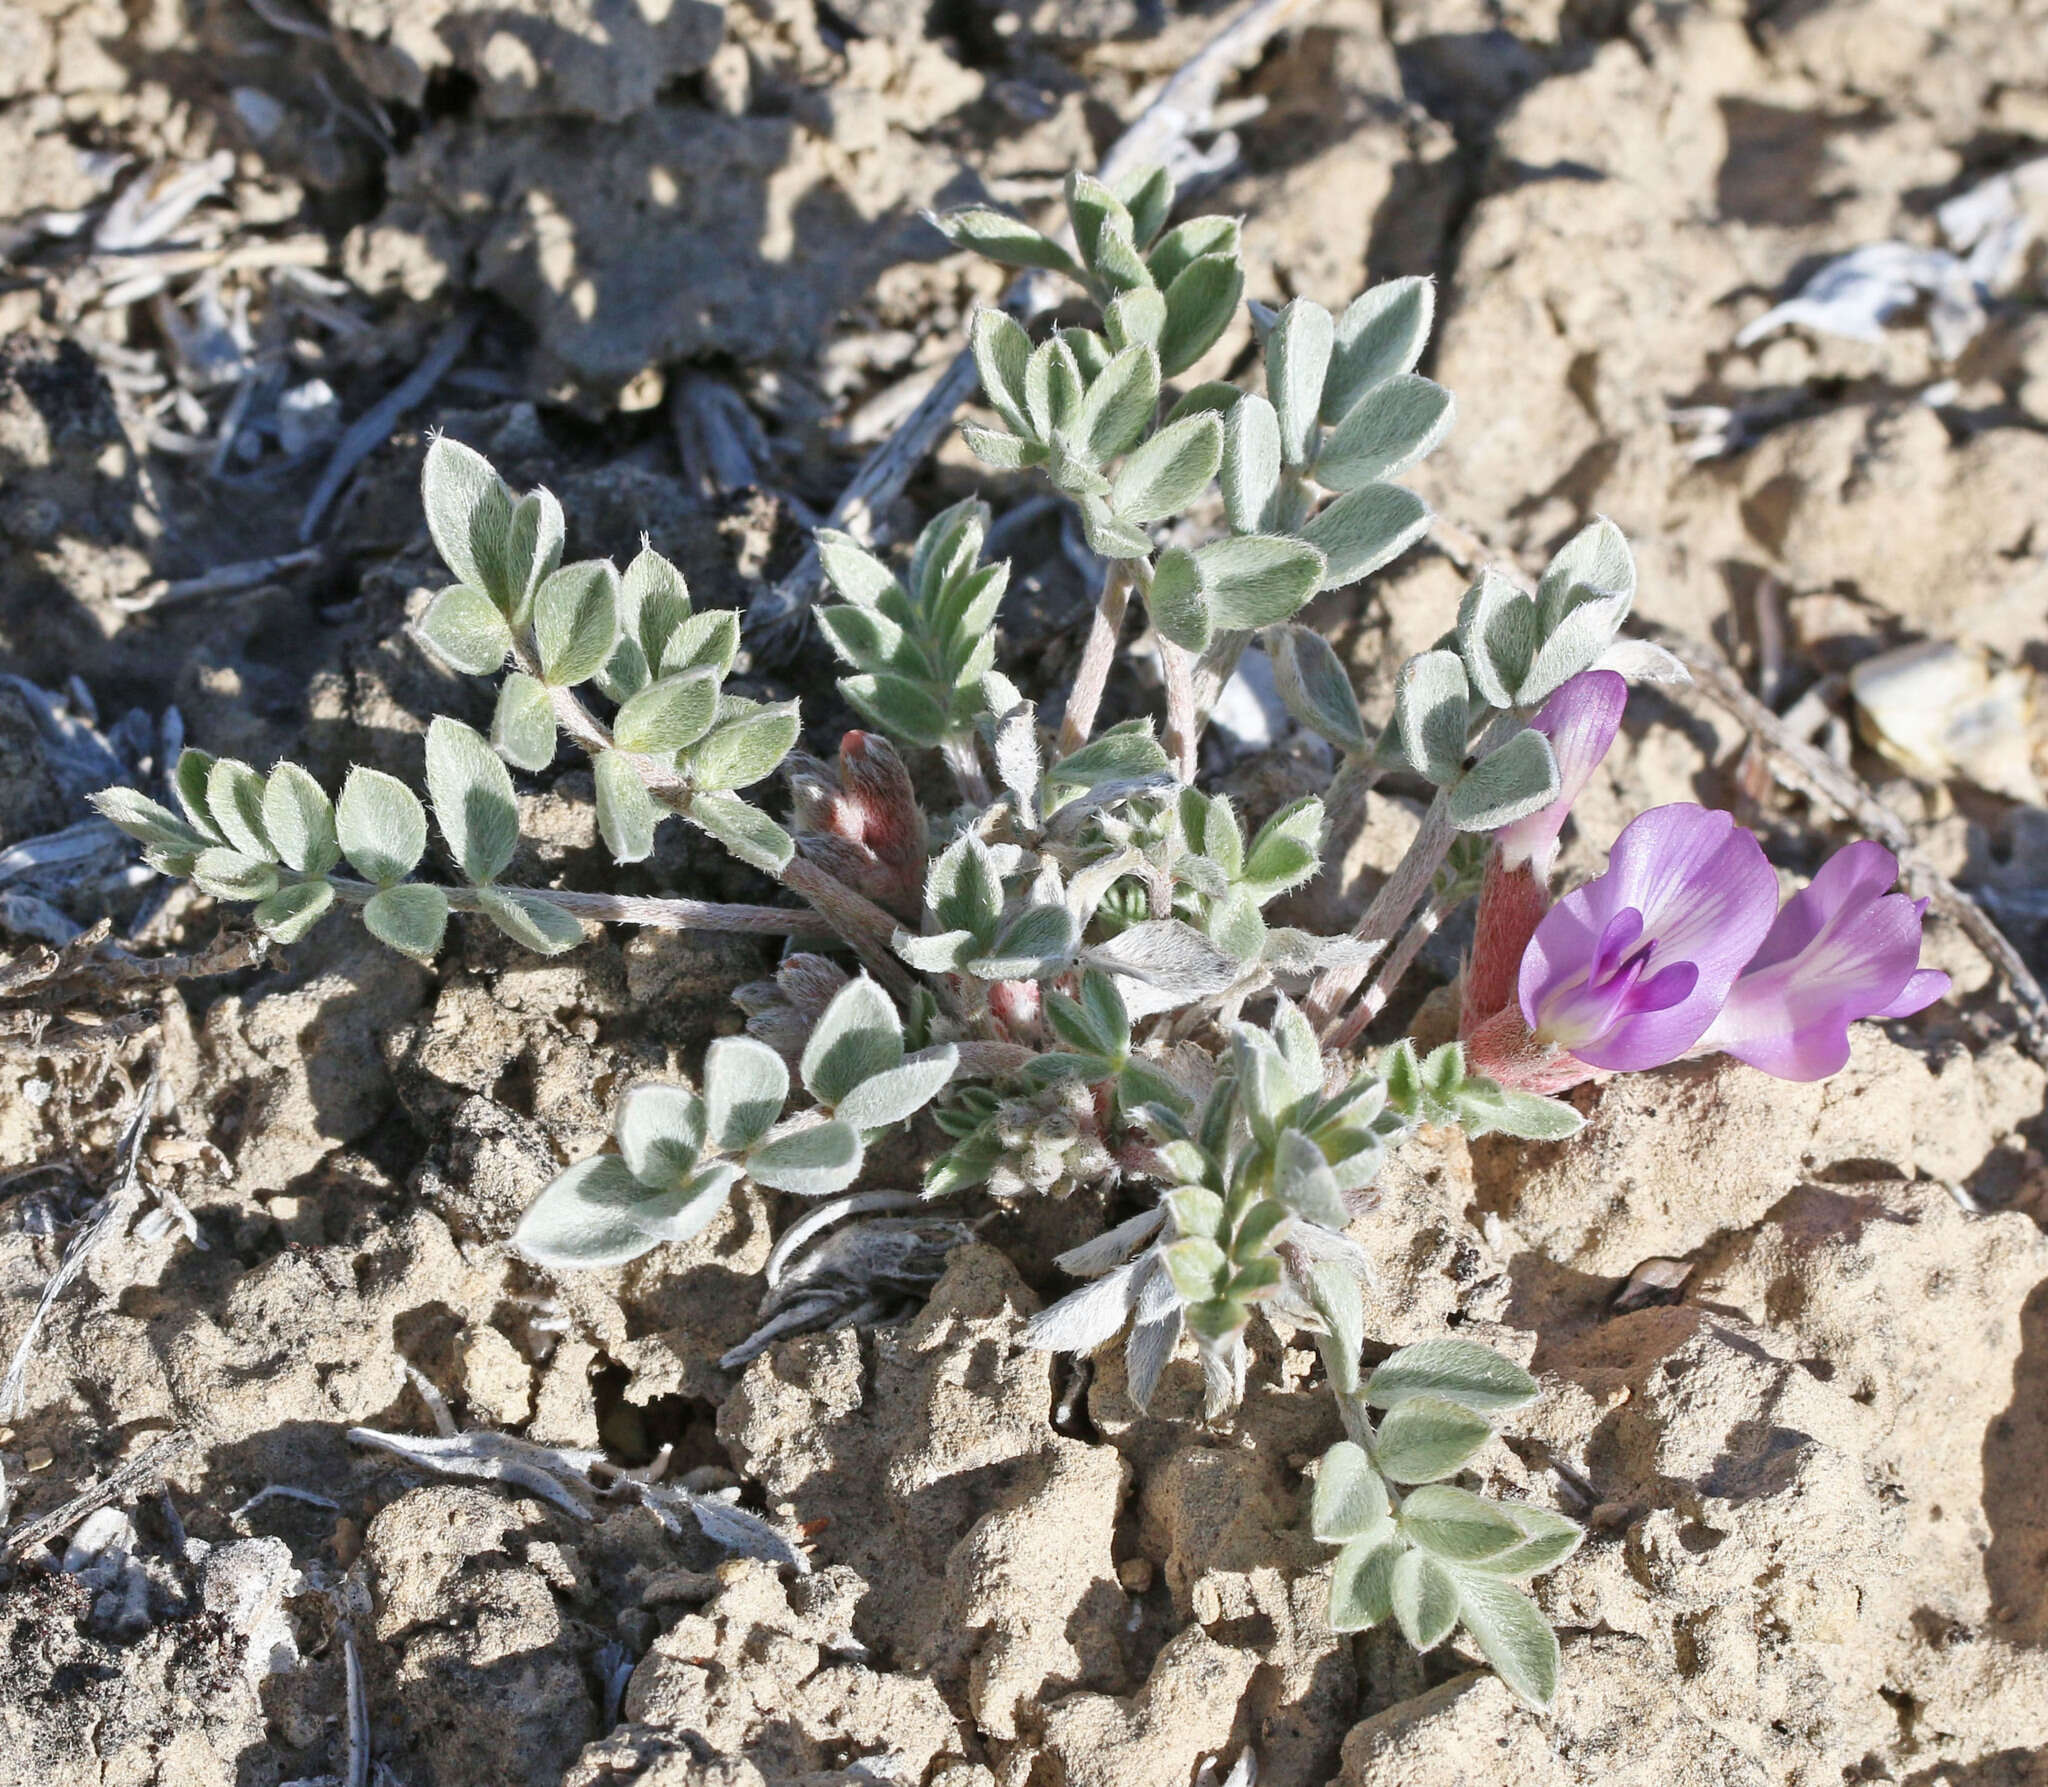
pixel 131 1478
pixel 374 426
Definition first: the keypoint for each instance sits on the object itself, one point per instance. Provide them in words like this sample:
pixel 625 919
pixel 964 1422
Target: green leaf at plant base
pixel 1122 754
pixel 1147 194
pixel 1251 464
pixel 668 714
pixel 469 515
pixel 1165 475
pixel 1509 783
pixel 627 817
pixel 1497 637
pixel 745 1086
pixel 1333 1290
pixel 1039 940
pixel 962 888
pixel 1424 1598
pixel 234 796
pixel 1380 336
pixel 233 874
pixel 1001 352
pixel 1315 688
pixel 1362 1583
pixel 1258 579
pixel 411 918
pixel 1118 406
pixel 464 627
pixel 858 1035
pixel 1135 316
pixel 530 919
pixel 381 826
pixel 739 752
pixel 1008 240
pixel 708 641
pixel 1197 1267
pixel 1302 1180
pixel 854 571
pixel 813 1161
pixel 746 831
pixel 1393 425
pixel 293 911
pixel 1548 1539
pixel 1425 1438
pixel 1486 1109
pixel 896 1093
pixel 1287 850
pixel 1576 643
pixel 661 1133
pixel 1431 713
pixel 1460 1371
pixel 150 822
pixel 533 550
pixel 1052 387
pixel 1456 1525
pixel 903 709
pixel 598 1214
pixel 193 772
pixel 1297 358
pixel 299 819
pixel 1592 566
pixel 1350 1500
pixel 1511 1634
pixel 1368 528
pixel 1091 206
pixel 1187 243
pixel 523 727
pixel 576 622
pixel 1200 302
pixel 473 801
pixel 1178 606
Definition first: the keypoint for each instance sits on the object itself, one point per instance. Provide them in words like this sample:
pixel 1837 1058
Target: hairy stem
pixel 1091 677
pixel 965 764
pixel 1388 911
pixel 1397 963
pixel 1217 666
pixel 1183 722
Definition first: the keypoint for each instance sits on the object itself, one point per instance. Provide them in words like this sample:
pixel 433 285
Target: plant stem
pixel 629 909
pixel 1183 721
pixel 1391 906
pixel 1396 964
pixel 856 920
pixel 1217 666
pixel 1091 677
pixel 965 762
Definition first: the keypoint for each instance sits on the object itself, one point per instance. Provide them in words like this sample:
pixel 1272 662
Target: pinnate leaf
pixel 473 802
pixel 411 918
pixel 381 826
pixel 1461 1371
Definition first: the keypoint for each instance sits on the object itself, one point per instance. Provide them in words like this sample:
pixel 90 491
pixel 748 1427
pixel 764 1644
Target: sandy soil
pixel 1814 1463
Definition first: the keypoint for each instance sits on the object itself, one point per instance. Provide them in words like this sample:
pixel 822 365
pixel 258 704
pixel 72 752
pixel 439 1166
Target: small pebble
pixel 1135 1573
pixel 39 1458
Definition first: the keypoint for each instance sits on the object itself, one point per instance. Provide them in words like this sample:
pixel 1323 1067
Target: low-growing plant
pixel 1073 965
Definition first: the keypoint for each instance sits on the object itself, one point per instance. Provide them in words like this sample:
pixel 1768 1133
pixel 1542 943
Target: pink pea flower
pixel 1843 948
pixel 1629 971
pixel 1680 949
pixel 1580 721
